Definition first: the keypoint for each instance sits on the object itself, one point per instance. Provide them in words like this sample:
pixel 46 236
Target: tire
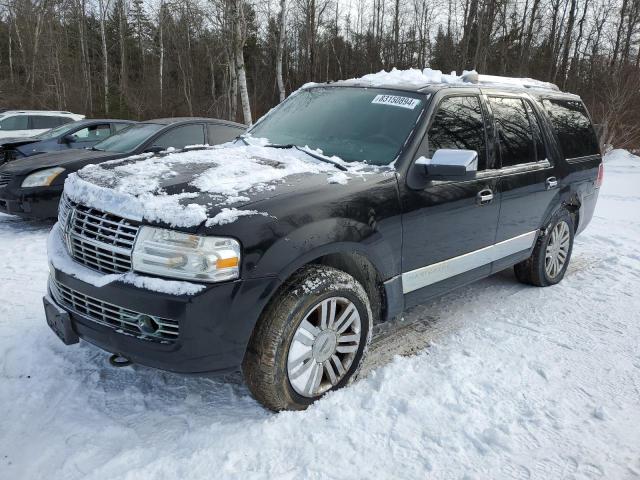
pixel 557 239
pixel 272 368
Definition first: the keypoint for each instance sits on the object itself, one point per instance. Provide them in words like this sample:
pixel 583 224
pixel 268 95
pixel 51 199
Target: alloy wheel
pixel 557 250
pixel 324 346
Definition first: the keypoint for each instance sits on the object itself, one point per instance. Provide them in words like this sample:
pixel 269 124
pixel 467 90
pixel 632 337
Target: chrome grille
pixel 147 327
pixel 101 241
pixel 5 178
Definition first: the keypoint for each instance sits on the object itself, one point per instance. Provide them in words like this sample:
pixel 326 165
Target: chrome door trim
pixel 526 167
pixel 430 274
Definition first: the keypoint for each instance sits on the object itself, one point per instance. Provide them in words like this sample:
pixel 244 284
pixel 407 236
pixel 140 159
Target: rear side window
pixel 538 139
pixel 514 131
pixel 181 137
pixel 459 124
pixel 16 122
pixel 93 133
pixel 576 136
pixel 221 133
pixel 39 122
pixel 120 126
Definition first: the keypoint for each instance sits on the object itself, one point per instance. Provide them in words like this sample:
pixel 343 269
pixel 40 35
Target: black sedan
pixel 31 187
pixel 80 134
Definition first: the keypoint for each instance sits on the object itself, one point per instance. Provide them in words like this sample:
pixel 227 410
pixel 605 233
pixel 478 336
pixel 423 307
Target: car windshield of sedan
pixel 356 124
pixel 56 132
pixel 128 139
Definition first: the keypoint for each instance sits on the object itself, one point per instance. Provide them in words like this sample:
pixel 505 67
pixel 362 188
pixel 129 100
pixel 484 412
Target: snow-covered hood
pixel 187 189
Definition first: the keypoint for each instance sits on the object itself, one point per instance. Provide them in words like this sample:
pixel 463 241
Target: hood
pixel 12 142
pixel 187 189
pixel 69 159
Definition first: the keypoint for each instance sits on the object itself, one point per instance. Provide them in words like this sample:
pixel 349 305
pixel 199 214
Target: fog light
pixel 147 325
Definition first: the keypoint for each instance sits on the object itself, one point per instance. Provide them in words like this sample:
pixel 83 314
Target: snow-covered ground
pixel 498 380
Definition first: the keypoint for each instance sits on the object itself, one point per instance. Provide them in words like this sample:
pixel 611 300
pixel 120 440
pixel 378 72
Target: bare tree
pixel 239 29
pixel 103 6
pixel 237 58
pixel 282 18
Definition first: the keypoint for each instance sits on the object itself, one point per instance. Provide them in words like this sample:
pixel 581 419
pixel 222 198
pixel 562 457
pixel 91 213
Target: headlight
pixel 42 178
pixel 180 255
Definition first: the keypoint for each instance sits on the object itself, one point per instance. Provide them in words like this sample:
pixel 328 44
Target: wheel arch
pixel 351 258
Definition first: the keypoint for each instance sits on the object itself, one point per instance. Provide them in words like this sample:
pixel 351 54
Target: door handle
pixel 552 182
pixel 484 196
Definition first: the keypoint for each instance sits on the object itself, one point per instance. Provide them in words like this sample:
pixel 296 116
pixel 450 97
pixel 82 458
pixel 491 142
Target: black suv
pixel 31 187
pixel 345 205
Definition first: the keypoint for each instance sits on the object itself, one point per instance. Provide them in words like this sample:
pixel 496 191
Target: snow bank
pixel 618 155
pixel 509 382
pixel 140 189
pixel 60 258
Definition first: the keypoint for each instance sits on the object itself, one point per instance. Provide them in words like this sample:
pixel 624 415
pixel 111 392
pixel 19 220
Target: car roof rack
pixel 476 78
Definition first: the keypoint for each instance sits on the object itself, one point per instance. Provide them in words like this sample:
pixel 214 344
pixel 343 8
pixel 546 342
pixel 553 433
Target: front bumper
pixel 215 324
pixel 38 204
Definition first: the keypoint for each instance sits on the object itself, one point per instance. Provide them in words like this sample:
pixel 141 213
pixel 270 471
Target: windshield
pixel 128 139
pixel 57 132
pixel 355 124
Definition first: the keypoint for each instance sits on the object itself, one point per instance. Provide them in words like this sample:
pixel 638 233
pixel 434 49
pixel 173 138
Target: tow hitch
pixel 119 361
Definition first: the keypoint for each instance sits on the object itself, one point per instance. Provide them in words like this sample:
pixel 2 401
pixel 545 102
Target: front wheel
pixel 311 339
pixel 550 258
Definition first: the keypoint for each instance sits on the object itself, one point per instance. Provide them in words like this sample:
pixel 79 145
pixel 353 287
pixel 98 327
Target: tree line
pixel 236 59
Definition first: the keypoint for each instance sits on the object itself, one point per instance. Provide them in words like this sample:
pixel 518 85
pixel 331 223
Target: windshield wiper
pixel 322 158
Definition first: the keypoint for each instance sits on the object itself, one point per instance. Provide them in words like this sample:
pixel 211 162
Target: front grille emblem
pixel 66 229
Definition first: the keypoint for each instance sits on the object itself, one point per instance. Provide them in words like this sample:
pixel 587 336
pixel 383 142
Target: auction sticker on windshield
pixel 396 101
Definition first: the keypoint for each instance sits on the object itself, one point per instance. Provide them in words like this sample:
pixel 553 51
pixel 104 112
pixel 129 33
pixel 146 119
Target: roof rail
pixel 474 77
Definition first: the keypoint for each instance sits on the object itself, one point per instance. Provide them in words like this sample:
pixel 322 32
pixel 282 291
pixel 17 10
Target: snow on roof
pixel 139 188
pixel 412 76
pixel 427 76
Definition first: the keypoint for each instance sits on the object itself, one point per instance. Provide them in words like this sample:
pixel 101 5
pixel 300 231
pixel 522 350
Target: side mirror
pixel 153 149
pixel 69 138
pixel 450 164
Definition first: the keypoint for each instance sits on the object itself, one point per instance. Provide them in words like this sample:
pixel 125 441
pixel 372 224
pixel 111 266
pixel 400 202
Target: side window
pixel 538 139
pixel 119 126
pixel 514 131
pixel 218 134
pixel 181 137
pixel 459 123
pixel 16 122
pixel 93 133
pixel 40 122
pixel 576 136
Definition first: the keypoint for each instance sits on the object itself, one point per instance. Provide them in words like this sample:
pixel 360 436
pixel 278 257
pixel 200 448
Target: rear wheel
pixel 550 258
pixel 311 339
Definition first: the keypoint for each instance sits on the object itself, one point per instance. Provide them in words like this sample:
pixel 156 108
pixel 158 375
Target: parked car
pixel 80 134
pixel 27 123
pixel 286 251
pixel 31 187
